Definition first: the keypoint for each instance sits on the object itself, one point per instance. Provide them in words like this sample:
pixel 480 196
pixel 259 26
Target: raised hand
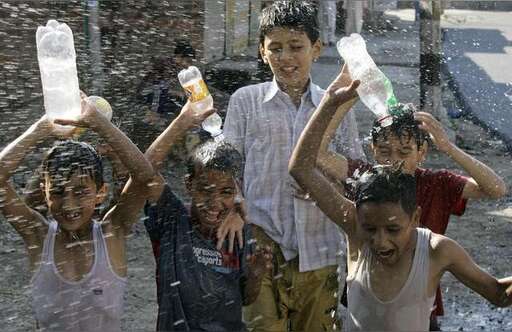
pixel 231 227
pixel 89 114
pixel 342 88
pixel 192 117
pixel 429 124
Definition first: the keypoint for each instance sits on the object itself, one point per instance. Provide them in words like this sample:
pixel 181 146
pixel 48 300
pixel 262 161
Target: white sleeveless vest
pixel 408 311
pixel 94 303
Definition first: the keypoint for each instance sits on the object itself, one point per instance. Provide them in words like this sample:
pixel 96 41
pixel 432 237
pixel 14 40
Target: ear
pixel 373 148
pixel 416 216
pixel 101 194
pixel 317 49
pixel 46 195
pixel 422 152
pixel 262 53
pixel 188 182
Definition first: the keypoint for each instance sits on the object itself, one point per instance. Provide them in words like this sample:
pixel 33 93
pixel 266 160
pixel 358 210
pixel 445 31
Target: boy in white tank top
pixel 78 264
pixel 394 267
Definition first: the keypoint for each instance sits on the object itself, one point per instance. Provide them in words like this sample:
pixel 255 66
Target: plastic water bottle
pixel 375 90
pixel 192 81
pixel 56 56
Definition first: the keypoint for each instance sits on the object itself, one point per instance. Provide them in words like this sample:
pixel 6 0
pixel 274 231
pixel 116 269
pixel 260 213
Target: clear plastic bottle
pixel 57 64
pixel 192 81
pixel 375 90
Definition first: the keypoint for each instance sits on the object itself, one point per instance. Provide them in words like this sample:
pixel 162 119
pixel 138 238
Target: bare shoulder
pixel 443 250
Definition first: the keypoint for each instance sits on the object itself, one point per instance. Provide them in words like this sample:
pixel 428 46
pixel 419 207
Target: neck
pixel 294 92
pixel 82 234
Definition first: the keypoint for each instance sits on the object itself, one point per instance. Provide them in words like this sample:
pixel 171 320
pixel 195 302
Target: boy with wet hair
pixel 263 122
pixel 394 267
pixel 202 282
pixel 72 250
pixel 440 193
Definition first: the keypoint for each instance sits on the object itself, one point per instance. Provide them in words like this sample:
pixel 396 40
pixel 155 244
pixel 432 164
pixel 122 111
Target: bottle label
pixel 391 101
pixel 197 91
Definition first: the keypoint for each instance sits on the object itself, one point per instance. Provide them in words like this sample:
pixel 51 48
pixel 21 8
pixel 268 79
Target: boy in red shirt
pixel 440 193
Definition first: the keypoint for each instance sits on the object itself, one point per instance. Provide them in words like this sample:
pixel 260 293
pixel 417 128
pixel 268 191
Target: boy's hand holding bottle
pixel 90 115
pixel 45 127
pixel 341 89
pixel 191 117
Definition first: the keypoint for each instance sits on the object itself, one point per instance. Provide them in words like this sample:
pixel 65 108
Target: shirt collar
pixel 314 92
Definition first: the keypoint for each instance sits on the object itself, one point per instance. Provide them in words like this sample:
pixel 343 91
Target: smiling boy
pixel 78 259
pixel 263 122
pixel 201 285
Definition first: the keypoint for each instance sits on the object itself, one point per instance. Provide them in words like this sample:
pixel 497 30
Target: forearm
pixel 488 181
pixel 160 148
pixel 14 153
pixel 251 287
pixel 312 148
pixel 130 156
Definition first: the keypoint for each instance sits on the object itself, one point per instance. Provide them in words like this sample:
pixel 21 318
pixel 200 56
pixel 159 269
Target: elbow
pixel 293 167
pixel 499 191
pixel 297 170
pixel 502 189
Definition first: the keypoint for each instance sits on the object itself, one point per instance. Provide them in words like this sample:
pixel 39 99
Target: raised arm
pixel 135 192
pixel 453 258
pixel 331 163
pixel 484 182
pixel 160 148
pixel 24 220
pixel 303 163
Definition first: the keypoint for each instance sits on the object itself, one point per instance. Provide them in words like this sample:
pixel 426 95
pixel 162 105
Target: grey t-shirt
pixel 199 287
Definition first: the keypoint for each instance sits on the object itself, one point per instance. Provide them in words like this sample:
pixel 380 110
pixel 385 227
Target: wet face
pixel 290 55
pixel 391 149
pixel 387 229
pixel 72 202
pixel 213 196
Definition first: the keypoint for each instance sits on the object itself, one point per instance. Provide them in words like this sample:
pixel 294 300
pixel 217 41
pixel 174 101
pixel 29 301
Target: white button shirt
pixel 264 125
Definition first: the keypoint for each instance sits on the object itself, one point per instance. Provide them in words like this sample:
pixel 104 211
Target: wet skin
pixel 213 197
pixel 390 234
pixel 72 202
pixel 290 54
pixel 392 149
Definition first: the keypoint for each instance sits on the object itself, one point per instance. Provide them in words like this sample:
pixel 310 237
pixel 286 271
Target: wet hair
pixel 404 126
pixel 184 48
pixel 299 15
pixel 387 184
pixel 216 156
pixel 67 157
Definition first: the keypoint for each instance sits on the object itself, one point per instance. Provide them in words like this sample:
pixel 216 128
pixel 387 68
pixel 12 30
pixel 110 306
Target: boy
pixel 78 264
pixel 394 267
pixel 438 193
pixel 201 287
pixel 264 122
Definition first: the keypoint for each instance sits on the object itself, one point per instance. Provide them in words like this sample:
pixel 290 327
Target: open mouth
pixel 212 216
pixel 385 254
pixel 73 215
pixel 289 69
